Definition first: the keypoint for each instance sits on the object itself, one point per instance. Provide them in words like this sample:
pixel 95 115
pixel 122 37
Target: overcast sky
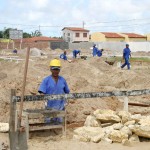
pixel 50 16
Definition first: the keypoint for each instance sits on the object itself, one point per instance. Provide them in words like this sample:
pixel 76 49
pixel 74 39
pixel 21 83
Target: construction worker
pixel 64 56
pixel 126 57
pixel 75 52
pixel 95 49
pixel 99 52
pixel 54 84
pixel 15 51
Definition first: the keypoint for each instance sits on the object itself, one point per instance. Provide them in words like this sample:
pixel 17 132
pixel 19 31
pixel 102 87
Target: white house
pixel 75 35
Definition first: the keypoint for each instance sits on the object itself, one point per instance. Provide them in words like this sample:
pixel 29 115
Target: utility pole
pixel 39 28
pixel 83 24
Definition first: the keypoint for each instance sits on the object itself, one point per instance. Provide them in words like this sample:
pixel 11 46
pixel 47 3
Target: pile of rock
pixel 3 146
pixel 113 126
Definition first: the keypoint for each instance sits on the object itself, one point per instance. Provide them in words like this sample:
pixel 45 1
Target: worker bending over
pixel 126 57
pixel 99 52
pixel 15 51
pixel 75 52
pixel 64 56
pixel 95 49
pixel 54 84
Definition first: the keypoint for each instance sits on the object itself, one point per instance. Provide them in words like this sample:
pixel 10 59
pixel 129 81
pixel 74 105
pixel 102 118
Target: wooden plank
pixel 13 135
pixel 17 139
pixel 139 104
pixel 34 114
pixel 38 128
pixel 75 96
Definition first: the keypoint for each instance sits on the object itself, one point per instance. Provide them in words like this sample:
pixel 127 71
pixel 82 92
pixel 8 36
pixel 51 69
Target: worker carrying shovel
pixel 54 84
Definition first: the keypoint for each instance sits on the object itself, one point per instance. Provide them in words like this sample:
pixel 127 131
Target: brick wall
pixel 4 45
pixel 39 45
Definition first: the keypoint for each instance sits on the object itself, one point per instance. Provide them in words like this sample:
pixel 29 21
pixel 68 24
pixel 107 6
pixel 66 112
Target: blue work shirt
pixel 126 53
pixel 75 52
pixel 49 86
pixel 95 51
pixel 63 56
pixel 99 53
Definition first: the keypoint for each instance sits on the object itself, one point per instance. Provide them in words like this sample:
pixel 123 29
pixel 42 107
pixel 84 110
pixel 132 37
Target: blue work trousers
pixel 126 63
pixel 58 105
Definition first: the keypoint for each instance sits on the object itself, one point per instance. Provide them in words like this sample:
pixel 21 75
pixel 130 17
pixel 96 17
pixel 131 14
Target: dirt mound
pixel 91 75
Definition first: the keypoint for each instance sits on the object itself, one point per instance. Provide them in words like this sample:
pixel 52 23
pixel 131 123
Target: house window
pixel 77 34
pixel 84 34
pixel 68 34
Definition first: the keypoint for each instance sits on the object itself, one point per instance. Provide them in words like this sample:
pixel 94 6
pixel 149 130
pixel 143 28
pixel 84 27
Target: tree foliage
pixel 1 34
pixel 5 33
pixel 26 35
pixel 36 33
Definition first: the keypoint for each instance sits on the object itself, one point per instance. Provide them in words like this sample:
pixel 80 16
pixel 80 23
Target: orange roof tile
pixel 76 29
pixel 134 35
pixel 112 35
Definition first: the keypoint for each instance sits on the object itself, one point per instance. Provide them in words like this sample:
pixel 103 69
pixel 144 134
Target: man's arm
pixel 66 88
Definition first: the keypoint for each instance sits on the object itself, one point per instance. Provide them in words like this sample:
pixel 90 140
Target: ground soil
pixel 91 75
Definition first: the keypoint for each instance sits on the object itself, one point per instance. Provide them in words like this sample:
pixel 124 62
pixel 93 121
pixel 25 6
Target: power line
pixel 120 25
pixel 75 24
pixel 119 21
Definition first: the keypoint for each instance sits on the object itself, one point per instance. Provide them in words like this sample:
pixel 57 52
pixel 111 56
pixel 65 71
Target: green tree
pixel 6 33
pixel 26 35
pixel 1 34
pixel 36 33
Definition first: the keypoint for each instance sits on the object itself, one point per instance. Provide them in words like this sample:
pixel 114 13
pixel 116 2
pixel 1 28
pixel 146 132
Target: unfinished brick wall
pixel 39 45
pixel 5 45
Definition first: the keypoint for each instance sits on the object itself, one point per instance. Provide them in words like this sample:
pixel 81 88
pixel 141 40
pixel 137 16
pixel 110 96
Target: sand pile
pixel 91 75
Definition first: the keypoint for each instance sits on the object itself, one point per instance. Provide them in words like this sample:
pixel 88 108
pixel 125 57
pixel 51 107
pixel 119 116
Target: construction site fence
pixel 113 46
pixel 81 95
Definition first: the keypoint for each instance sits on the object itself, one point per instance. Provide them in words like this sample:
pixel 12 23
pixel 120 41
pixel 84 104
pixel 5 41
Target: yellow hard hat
pixel 54 63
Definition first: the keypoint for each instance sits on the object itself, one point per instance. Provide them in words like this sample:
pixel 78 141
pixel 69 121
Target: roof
pixel 134 35
pixel 39 38
pixel 75 29
pixel 112 35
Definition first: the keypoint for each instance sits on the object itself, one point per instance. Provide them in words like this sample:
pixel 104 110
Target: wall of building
pixel 97 37
pixel 116 47
pixel 148 37
pixel 81 38
pixel 83 45
pixel 66 37
pixel 127 39
pixel 115 39
pixel 73 38
pixel 137 39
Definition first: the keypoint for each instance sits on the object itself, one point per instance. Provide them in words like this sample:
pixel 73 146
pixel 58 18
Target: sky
pixel 51 16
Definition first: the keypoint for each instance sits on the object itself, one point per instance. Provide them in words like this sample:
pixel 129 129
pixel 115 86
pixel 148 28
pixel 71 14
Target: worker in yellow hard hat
pixel 54 84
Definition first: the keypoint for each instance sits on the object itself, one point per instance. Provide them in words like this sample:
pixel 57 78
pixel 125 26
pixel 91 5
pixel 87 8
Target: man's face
pixel 55 72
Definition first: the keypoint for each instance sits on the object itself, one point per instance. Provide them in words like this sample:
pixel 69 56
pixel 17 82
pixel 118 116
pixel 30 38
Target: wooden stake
pixel 23 87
